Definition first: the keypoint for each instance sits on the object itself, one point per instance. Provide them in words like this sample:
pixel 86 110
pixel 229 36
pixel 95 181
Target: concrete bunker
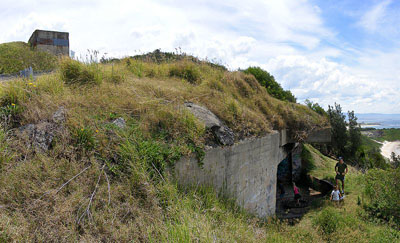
pixel 247 170
pixel 54 42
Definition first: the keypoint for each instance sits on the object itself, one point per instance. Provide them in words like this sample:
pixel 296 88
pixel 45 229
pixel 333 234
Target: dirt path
pixel 389 147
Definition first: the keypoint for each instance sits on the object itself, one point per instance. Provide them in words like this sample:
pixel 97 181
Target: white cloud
pixel 327 82
pixel 372 19
pixel 285 37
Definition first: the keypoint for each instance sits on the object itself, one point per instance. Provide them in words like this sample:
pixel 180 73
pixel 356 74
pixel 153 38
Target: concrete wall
pixel 296 162
pixel 246 171
pixel 54 42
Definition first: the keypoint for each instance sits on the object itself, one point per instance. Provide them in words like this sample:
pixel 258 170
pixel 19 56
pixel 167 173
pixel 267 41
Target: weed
pixel 186 70
pixel 74 72
pixel 329 221
pixel 84 138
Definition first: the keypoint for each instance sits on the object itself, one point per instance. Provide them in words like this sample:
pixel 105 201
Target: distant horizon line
pixel 371 113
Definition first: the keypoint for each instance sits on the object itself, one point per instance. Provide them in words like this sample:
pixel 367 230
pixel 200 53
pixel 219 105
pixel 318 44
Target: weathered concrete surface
pixel 319 136
pixel 296 161
pixel 53 42
pixel 246 171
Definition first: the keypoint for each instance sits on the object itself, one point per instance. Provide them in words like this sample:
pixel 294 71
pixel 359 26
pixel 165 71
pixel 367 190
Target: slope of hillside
pixel 16 56
pixel 83 154
pixel 348 222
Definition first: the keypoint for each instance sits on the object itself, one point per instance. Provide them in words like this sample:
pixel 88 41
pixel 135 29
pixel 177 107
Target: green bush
pixel 16 56
pixel 268 81
pixel 186 70
pixel 315 107
pixel 74 72
pixel 328 221
pixel 382 189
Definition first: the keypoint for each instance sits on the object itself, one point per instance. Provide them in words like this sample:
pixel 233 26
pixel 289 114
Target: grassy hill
pixel 16 56
pixel 101 182
pixel 349 222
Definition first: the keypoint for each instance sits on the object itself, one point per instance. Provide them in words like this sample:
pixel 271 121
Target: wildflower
pixel 34 85
pixel 13 104
pixel 30 83
pixel 97 131
pixel 81 129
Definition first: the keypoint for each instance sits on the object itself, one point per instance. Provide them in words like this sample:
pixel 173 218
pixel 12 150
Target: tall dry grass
pixel 118 188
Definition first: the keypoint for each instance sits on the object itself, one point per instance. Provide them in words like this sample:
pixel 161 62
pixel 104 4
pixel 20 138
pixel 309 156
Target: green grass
pixel 348 222
pixel 16 56
pixel 135 197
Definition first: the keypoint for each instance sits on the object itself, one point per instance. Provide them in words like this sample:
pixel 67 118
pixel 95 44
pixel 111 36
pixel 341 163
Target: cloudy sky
pixel 344 51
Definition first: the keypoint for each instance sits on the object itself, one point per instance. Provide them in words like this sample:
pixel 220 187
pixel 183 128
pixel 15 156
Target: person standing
pixel 341 170
pixel 297 195
pixel 336 196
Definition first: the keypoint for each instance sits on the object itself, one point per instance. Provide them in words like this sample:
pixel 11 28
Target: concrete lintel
pixel 319 136
pixel 283 137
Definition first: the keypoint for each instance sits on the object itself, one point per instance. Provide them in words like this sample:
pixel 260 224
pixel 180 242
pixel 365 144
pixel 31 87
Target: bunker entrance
pixel 291 170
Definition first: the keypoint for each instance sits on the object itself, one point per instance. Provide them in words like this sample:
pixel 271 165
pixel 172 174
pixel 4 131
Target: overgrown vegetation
pixel 352 220
pixel 382 189
pixel 315 107
pixel 389 134
pixel 268 81
pixel 101 182
pixel 16 56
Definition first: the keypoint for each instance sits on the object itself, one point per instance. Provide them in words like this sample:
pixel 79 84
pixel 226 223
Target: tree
pixel 395 159
pixel 338 130
pixel 354 133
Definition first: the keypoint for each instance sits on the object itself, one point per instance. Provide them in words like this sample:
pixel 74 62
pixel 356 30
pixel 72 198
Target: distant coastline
pixel 369 124
pixel 378 121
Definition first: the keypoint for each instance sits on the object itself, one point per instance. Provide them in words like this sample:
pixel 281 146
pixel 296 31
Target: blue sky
pixel 326 51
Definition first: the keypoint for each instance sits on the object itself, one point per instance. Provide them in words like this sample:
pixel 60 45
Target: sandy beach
pixel 389 147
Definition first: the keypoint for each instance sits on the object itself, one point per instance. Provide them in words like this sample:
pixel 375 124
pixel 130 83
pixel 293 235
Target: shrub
pixel 315 107
pixel 328 221
pixel 186 70
pixel 16 56
pixel 268 81
pixel 382 189
pixel 74 72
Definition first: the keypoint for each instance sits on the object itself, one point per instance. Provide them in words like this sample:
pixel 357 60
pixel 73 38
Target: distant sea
pixel 379 121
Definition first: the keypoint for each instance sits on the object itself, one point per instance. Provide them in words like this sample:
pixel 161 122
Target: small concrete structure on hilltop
pixel 53 42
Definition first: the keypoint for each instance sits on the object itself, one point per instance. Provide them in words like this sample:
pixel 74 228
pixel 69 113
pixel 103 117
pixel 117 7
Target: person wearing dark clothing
pixel 341 170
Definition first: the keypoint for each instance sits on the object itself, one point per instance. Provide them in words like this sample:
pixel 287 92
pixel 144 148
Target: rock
pixel 39 136
pixel 205 115
pixel 223 134
pixel 119 122
pixel 60 115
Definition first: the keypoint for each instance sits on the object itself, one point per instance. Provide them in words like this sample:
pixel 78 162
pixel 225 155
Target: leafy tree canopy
pixel 268 81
